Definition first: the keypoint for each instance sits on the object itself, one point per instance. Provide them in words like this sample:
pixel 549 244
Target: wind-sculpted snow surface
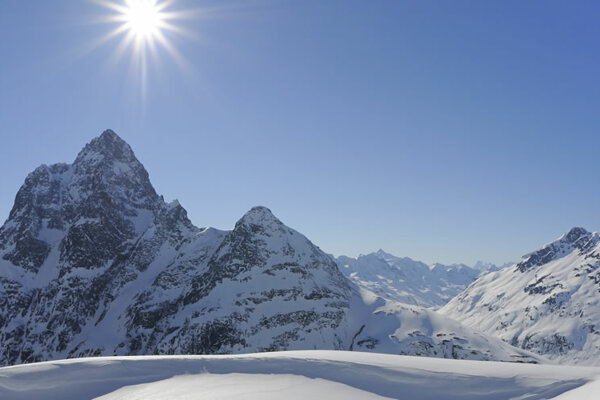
pixel 406 280
pixel 93 262
pixel 294 375
pixel 548 303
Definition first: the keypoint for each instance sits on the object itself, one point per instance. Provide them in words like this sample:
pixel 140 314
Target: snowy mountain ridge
pixel 94 262
pixel 548 302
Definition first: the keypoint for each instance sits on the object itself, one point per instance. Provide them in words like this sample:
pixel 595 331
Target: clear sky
pixel 448 131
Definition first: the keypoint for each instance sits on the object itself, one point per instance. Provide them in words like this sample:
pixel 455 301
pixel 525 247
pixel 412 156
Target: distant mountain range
pixel 409 281
pixel 94 262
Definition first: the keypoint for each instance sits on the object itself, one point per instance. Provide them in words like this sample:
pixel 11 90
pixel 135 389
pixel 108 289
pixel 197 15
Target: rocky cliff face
pixel 546 303
pixel 94 262
pixel 77 235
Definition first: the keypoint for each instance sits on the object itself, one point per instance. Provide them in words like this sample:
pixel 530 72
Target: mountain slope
pixel 94 262
pixel 405 280
pixel 547 303
pixel 265 287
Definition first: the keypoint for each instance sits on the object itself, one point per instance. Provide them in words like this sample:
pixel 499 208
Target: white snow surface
pixel 295 375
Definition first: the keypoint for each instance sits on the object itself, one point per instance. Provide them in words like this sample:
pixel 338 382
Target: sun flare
pixel 147 29
pixel 143 24
pixel 143 18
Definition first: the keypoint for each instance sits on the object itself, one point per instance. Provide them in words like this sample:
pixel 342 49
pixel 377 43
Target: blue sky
pixel 443 131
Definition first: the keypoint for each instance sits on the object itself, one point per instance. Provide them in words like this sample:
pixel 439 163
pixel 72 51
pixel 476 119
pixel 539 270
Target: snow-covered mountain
pixel 548 302
pixel 94 262
pixel 406 280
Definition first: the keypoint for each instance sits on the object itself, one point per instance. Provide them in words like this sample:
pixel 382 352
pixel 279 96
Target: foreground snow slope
pixel 295 374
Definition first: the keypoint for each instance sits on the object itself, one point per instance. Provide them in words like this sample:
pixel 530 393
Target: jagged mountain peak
pixel 105 163
pixel 109 134
pixel 390 258
pixel 112 158
pixel 384 254
pixel 84 213
pixel 575 234
pixel 577 239
pixel 107 145
pixel 108 164
pixel 259 216
pixel 259 212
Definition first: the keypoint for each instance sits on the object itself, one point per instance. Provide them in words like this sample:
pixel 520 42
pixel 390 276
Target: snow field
pixel 295 375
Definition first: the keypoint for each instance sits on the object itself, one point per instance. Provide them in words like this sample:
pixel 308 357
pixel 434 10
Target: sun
pixel 143 18
pixel 146 29
pixel 142 23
